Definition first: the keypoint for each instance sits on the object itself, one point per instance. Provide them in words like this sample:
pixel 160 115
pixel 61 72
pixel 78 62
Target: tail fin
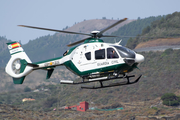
pixel 17 65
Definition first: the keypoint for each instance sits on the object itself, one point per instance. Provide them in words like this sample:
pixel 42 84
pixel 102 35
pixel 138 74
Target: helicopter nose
pixel 139 58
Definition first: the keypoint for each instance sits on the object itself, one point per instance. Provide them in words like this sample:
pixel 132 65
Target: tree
pixel 146 30
pixel 49 102
pixel 168 51
pixel 170 99
pixel 8 99
pixel 27 89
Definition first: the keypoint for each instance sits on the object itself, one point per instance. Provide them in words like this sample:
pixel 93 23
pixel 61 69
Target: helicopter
pixel 93 61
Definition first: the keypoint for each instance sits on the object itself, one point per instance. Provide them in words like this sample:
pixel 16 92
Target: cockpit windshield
pixel 125 52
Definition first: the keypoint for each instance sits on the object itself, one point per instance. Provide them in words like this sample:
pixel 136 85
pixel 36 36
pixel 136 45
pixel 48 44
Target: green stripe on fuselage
pixel 119 67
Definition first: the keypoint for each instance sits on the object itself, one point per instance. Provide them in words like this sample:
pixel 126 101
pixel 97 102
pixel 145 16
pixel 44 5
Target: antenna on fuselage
pixel 118 42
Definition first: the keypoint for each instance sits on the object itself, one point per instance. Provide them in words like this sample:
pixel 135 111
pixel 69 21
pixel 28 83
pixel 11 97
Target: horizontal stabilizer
pixel 32 65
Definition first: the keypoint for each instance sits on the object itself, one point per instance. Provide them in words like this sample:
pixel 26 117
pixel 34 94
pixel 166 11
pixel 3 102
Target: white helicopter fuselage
pixel 97 57
pixel 85 58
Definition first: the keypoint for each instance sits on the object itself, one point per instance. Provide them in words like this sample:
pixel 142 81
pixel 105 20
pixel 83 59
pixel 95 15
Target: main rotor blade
pixel 109 27
pixel 109 36
pixel 117 36
pixel 54 30
pixel 80 41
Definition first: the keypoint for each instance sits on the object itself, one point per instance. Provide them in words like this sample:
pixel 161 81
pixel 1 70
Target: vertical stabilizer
pixel 16 67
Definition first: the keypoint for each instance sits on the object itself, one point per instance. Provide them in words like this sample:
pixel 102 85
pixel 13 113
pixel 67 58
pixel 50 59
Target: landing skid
pixel 100 80
pixel 112 84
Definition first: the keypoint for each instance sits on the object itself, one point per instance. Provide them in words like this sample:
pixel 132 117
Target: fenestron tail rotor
pixel 16 65
pixel 93 34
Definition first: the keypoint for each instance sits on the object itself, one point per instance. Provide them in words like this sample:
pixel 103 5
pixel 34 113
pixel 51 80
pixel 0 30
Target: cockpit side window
pixel 125 52
pixel 100 54
pixel 88 55
pixel 111 53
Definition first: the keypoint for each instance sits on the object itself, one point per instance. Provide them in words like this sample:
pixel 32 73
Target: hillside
pixel 4 53
pixel 141 100
pixel 159 42
pixel 135 112
pixel 132 29
pixel 167 27
pixel 34 79
pixel 87 26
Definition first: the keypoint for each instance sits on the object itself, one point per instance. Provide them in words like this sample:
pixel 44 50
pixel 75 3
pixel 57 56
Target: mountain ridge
pixel 87 26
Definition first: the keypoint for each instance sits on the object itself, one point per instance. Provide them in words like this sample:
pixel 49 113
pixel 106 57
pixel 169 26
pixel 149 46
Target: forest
pixel 166 27
pixel 132 29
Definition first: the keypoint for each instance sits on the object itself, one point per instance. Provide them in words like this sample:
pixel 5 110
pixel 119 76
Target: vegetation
pixel 163 28
pixel 160 75
pixel 27 89
pixel 49 102
pixel 170 99
pixel 132 29
pixel 4 53
pixel 48 47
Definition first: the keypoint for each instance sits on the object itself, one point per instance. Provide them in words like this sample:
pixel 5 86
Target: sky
pixel 57 14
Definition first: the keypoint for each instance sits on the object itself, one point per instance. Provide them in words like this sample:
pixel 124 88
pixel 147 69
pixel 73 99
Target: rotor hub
pixel 17 66
pixel 96 34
